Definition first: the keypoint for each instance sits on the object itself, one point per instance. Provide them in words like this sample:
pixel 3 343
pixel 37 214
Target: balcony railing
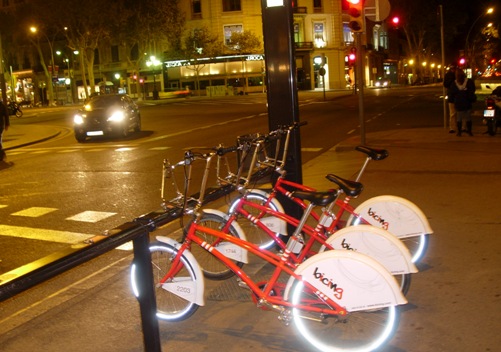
pixel 303 45
pixel 300 10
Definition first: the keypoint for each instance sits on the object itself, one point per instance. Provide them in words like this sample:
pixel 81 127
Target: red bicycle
pixel 397 215
pixel 339 300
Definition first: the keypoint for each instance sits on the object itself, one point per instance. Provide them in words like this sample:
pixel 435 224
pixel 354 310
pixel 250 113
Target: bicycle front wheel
pixel 170 307
pixel 213 268
pixel 253 233
pixel 358 331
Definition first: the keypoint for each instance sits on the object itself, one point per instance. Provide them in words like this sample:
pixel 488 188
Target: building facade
pixel 321 38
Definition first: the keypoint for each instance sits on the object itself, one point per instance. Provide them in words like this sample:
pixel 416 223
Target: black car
pixel 107 115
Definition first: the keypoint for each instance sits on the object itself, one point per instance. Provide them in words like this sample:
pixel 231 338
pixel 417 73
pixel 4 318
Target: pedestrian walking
pixel 449 79
pixel 463 95
pixel 4 125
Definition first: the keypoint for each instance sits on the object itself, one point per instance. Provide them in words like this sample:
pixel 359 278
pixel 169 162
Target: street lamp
pixel 34 30
pixel 489 11
pixel 154 62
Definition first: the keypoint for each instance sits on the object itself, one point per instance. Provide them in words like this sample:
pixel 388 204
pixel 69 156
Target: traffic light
pixel 461 61
pixel 352 56
pixel 395 21
pixel 356 13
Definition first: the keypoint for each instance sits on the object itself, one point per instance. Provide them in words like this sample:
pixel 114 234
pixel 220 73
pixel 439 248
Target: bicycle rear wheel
pixel 170 307
pixel 358 331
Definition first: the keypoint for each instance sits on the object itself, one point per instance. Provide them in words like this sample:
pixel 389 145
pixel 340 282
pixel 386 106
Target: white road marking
pixel 91 216
pixel 34 212
pixel 43 234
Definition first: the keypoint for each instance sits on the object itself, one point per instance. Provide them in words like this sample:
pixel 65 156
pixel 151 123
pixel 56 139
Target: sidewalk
pixel 22 135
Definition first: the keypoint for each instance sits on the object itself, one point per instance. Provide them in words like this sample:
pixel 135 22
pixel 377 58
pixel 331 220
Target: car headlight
pixel 378 84
pixel 78 119
pixel 117 116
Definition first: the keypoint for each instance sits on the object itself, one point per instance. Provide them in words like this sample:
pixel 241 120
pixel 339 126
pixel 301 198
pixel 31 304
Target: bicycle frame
pixel 265 296
pixel 314 236
pixel 336 218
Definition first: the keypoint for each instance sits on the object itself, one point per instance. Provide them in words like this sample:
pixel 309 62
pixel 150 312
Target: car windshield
pixel 102 102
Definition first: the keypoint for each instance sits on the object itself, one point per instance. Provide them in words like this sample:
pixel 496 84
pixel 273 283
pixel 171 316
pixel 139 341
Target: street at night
pixel 59 191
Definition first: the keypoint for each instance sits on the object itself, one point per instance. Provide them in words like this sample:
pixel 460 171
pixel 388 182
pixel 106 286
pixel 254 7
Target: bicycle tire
pixel 213 268
pixel 170 307
pixel 252 232
pixel 19 113
pixel 358 331
pixel 418 246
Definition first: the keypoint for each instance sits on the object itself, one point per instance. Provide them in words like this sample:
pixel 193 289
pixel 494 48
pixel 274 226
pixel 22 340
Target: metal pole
pixel 283 105
pixel 359 79
pixel 443 64
pixel 147 302
pixel 2 75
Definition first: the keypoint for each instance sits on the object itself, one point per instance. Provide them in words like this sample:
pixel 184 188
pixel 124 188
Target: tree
pixel 147 27
pixel 200 43
pixel 245 42
pixel 84 24
pixel 420 22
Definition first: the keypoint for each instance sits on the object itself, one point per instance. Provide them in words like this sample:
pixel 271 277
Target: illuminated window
pixel 232 5
pixel 319 34
pixel 228 30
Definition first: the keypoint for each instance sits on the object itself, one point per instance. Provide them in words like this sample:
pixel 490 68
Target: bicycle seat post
pixel 296 242
pixel 364 166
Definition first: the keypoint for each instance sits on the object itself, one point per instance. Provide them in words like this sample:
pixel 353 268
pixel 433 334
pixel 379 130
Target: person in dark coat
pixel 449 79
pixel 463 95
pixel 4 125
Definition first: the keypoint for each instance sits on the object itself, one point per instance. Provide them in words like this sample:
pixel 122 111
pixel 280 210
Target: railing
pixel 304 45
pixel 301 9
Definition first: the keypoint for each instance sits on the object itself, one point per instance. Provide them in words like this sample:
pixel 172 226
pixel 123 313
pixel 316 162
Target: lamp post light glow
pixel 489 11
pixel 154 62
pixel 49 76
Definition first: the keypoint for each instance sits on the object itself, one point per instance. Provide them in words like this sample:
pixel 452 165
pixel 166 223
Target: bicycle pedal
pixel 242 284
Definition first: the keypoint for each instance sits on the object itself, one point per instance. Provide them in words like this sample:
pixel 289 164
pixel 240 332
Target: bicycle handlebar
pixel 225 150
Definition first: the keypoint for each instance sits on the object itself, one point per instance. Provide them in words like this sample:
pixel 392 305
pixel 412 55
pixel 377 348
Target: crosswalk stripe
pixel 43 234
pixel 34 212
pixel 68 237
pixel 91 216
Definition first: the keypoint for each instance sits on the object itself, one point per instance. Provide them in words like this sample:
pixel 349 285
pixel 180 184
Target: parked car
pixel 382 83
pixel 107 115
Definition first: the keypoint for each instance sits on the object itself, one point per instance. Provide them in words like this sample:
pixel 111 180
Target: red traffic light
pixel 462 61
pixel 395 20
pixel 352 57
pixel 355 11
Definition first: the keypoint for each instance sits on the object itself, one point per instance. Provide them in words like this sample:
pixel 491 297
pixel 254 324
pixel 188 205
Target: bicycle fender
pixel 231 250
pixel 378 244
pixel 397 215
pixel 271 222
pixel 353 280
pixel 191 291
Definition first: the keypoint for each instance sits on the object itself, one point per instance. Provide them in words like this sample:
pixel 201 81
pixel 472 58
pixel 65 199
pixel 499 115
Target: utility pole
pixel 3 86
